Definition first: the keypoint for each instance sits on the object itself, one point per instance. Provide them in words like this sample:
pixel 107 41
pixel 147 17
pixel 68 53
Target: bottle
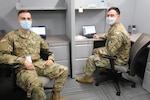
pixel 133 29
pixel 102 3
pixel 130 29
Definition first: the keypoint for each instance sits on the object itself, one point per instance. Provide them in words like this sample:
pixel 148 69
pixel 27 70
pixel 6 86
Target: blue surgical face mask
pixel 26 24
pixel 110 20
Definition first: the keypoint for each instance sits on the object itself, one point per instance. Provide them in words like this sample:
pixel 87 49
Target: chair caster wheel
pixel 133 85
pixel 118 93
pixel 97 84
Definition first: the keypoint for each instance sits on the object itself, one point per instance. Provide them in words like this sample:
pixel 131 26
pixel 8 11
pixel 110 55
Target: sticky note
pixel 80 10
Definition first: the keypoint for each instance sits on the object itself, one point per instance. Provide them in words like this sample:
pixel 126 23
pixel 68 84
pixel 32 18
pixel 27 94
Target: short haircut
pixel 116 9
pixel 23 11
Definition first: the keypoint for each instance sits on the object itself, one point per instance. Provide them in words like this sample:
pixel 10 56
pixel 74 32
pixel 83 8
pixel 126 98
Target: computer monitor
pixel 40 30
pixel 88 30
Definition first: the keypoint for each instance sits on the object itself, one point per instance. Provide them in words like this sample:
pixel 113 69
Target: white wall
pixel 127 8
pixel 142 16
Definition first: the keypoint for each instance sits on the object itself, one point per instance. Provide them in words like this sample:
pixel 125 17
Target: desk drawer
pixel 61 52
pixel 79 65
pixel 83 51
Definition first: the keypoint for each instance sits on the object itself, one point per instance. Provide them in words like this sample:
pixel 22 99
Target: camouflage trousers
pixel 29 81
pixel 93 61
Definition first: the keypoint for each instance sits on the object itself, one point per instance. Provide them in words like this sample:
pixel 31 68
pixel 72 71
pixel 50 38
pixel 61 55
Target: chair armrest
pixel 9 68
pixel 108 57
pixel 111 60
pixel 44 54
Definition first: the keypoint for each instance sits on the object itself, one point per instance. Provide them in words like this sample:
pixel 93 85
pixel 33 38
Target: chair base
pixel 116 78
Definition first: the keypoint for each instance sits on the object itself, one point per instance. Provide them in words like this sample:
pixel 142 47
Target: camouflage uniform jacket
pixel 117 43
pixel 17 45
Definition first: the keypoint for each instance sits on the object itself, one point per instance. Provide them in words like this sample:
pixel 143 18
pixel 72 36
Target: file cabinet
pixel 82 51
pixel 146 80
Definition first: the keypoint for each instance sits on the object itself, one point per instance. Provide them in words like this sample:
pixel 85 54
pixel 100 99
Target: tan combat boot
pixel 85 79
pixel 56 96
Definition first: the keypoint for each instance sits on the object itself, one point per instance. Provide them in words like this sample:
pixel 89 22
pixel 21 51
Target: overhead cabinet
pixel 41 5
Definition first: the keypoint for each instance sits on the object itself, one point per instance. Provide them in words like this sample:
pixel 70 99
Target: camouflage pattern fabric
pixel 14 48
pixel 117 44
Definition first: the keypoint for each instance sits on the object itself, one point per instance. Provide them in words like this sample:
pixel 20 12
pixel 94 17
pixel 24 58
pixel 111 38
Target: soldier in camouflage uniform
pixel 117 44
pixel 23 46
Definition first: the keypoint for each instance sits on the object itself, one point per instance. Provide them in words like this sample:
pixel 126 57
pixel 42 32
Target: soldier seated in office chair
pixel 23 47
pixel 117 44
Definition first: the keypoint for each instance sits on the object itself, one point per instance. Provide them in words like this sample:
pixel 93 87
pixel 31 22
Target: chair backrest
pixel 141 43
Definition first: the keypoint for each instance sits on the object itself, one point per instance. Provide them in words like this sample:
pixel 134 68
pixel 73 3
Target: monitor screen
pixel 88 29
pixel 40 30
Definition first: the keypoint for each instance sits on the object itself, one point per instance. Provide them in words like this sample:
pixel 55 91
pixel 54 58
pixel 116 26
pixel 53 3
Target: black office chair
pixel 10 70
pixel 115 72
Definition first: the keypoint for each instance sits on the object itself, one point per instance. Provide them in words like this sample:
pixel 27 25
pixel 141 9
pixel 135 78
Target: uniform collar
pixel 113 27
pixel 23 35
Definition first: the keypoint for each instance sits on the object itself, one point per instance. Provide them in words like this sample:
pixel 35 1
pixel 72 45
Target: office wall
pixel 142 16
pixel 127 8
pixel 8 16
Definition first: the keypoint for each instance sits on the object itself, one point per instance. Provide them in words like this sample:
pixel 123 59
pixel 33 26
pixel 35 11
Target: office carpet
pixel 77 91
pixel 105 91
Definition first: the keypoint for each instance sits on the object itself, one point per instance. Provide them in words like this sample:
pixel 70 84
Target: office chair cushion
pixel 122 68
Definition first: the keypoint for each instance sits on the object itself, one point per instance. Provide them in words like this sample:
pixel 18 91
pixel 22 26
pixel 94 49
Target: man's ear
pixel 118 16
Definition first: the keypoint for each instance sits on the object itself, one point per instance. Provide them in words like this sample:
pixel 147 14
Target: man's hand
pixel 28 65
pixel 95 36
pixel 96 51
pixel 49 62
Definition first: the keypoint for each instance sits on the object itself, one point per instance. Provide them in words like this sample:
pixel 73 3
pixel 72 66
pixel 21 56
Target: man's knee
pixel 66 69
pixel 91 58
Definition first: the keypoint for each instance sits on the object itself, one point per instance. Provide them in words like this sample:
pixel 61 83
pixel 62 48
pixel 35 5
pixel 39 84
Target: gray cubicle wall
pixel 94 13
pixel 142 16
pixel 53 16
pixel 8 16
pixel 90 17
pixel 55 21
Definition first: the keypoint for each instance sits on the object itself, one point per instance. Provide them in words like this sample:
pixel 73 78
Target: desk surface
pixel 133 38
pixel 57 40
